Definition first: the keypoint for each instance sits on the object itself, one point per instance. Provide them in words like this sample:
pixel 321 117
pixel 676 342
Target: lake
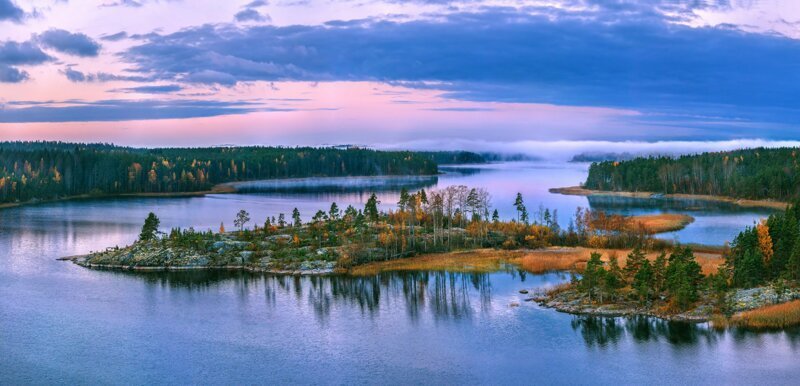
pixel 60 323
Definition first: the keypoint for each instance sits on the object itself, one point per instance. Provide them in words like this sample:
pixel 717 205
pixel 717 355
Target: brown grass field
pixel 658 223
pixel 534 261
pixel 770 317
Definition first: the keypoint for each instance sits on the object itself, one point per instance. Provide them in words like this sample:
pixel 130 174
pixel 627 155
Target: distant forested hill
pixel 752 173
pixel 47 170
pixel 452 157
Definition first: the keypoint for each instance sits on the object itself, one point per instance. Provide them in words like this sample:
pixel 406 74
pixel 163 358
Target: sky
pixel 505 75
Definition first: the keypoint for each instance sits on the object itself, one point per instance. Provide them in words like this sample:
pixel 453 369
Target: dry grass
pixel 536 261
pixel 553 259
pixel 770 317
pixel 480 260
pixel 659 223
pixel 709 262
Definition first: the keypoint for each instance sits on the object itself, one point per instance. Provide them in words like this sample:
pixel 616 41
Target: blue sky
pixel 399 72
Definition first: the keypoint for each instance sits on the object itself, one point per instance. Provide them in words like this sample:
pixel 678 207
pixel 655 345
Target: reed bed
pixel 658 223
pixel 770 317
pixel 534 261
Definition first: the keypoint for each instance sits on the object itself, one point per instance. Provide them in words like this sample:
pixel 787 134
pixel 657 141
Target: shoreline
pixel 216 189
pixel 573 303
pixel 483 260
pixel 80 261
pixel 745 203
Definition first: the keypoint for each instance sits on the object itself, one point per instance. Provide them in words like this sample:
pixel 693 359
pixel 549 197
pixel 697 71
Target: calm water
pixel 60 323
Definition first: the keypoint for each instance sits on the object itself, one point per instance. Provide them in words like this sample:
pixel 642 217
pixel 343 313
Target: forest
pixel 767 252
pixel 758 173
pixel 50 170
pixel 765 255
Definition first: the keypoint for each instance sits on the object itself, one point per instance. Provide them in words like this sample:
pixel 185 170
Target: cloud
pixel 250 14
pixel 77 44
pixel 13 54
pixel 159 89
pixel 115 37
pixel 79 77
pixel 256 4
pixel 210 77
pixel 25 53
pixel 123 3
pixel 125 110
pixel 625 55
pixel 10 11
pixel 10 74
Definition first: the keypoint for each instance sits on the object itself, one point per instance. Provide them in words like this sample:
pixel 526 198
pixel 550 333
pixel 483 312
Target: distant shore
pixel 216 189
pixel 580 191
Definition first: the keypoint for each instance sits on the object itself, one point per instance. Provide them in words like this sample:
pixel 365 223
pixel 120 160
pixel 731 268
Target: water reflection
pixel 338 184
pixel 633 205
pixel 609 331
pixel 444 295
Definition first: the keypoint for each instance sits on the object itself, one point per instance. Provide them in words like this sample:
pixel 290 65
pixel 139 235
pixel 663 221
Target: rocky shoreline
pixel 571 301
pixel 223 254
pixel 81 261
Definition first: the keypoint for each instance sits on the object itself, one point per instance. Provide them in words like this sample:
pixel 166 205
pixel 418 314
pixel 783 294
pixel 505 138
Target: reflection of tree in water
pixel 744 337
pixel 447 295
pixel 194 280
pixel 616 204
pixel 602 331
pixel 598 331
pixel 319 296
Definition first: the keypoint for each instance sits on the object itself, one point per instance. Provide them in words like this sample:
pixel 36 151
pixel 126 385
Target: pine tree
pixel 333 213
pixel 298 222
pixel 593 276
pixel 634 262
pixel 371 208
pixel 793 265
pixel 519 204
pixel 242 218
pixel 612 280
pixel 643 281
pixel 659 273
pixel 150 227
pixel 404 200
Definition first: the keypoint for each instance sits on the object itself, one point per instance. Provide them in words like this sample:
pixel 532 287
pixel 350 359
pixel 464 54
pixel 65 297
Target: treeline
pixel 48 170
pixel 453 157
pixel 752 174
pixel 456 217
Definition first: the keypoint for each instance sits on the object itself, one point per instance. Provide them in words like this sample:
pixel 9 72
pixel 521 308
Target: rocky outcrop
pixel 270 254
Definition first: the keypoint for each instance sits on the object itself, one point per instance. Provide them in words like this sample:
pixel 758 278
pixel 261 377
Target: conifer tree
pixel 298 222
pixel 150 227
